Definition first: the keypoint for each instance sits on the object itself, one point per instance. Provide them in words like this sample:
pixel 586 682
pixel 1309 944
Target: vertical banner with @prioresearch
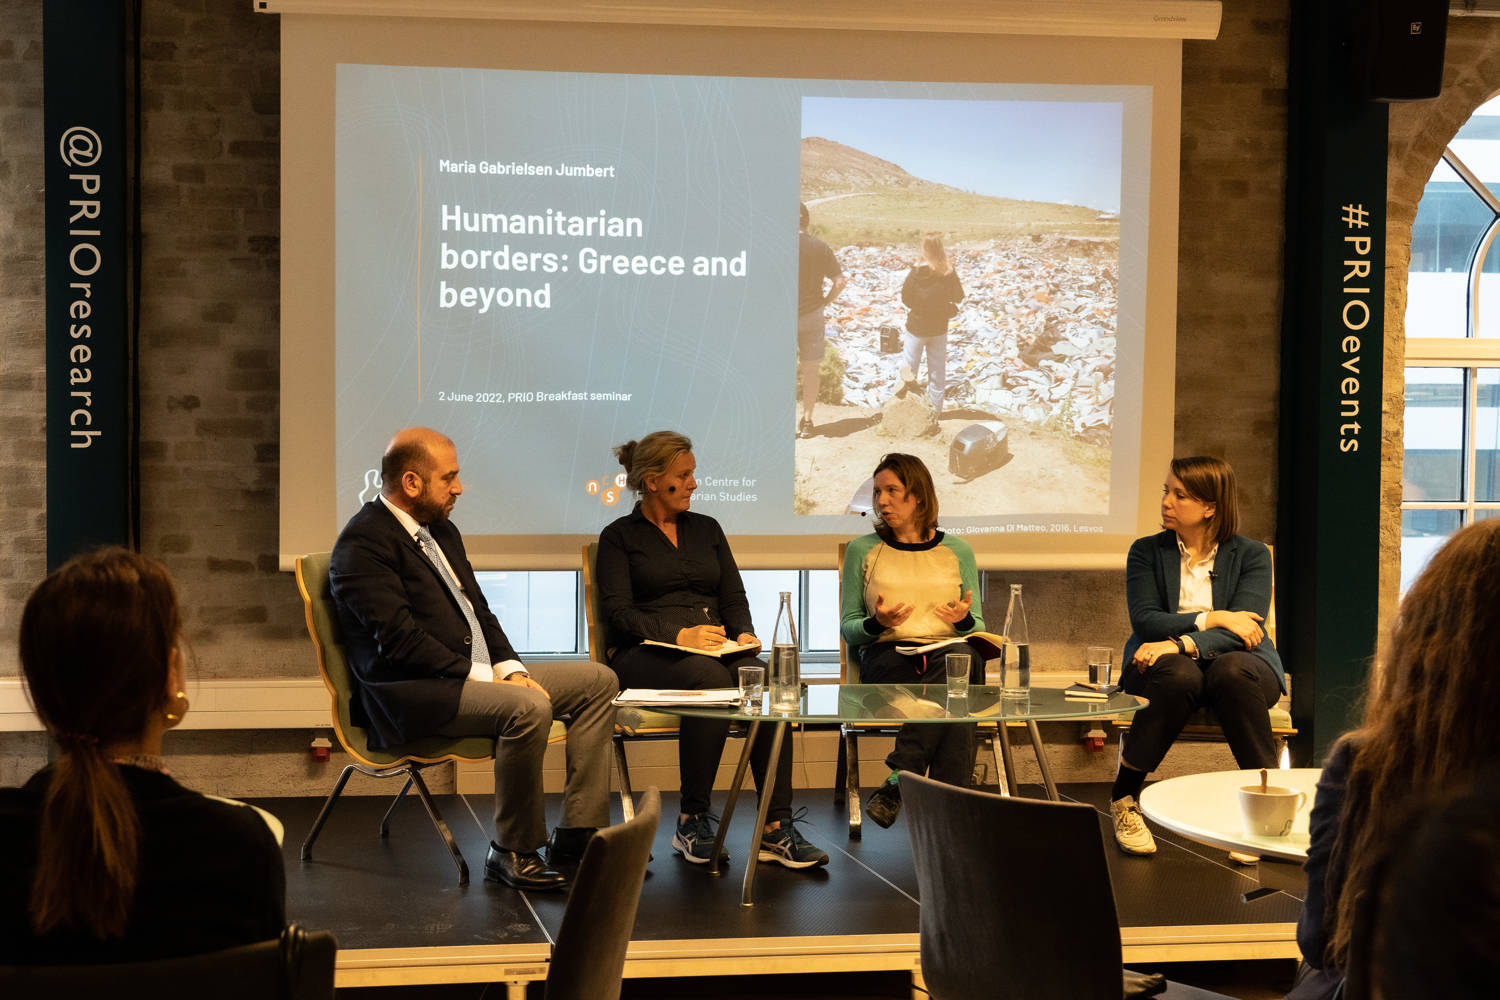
pixel 88 431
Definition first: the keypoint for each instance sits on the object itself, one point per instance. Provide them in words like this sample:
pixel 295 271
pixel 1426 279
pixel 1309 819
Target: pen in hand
pixel 706 636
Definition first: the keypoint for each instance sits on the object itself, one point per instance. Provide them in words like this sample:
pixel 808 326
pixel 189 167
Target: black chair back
pixel 296 966
pixel 1015 893
pixel 589 957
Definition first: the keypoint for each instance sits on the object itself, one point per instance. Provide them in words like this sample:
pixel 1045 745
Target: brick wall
pixel 210 331
pixel 1229 290
pixel 1229 294
pixel 22 394
pixel 210 334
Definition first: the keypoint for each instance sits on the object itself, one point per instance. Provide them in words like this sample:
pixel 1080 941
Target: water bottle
pixel 786 675
pixel 1015 668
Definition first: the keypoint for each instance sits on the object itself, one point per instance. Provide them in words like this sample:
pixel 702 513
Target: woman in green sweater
pixel 908 583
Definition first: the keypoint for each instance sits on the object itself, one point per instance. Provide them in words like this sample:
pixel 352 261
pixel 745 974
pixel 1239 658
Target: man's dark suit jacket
pixel 406 639
pixel 1241 582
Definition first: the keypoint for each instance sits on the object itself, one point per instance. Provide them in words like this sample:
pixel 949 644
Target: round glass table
pixel 893 704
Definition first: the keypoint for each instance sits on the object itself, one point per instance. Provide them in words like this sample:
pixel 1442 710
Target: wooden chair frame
pixel 407 760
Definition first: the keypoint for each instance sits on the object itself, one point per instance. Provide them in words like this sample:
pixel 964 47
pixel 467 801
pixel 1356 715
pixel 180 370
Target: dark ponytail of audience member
pixel 96 645
pixel 1430 714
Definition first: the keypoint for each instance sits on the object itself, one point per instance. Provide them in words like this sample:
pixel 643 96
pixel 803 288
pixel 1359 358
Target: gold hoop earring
pixel 180 703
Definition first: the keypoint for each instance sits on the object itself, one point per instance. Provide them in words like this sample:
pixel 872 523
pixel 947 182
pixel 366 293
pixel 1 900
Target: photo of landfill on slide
pixel 1030 353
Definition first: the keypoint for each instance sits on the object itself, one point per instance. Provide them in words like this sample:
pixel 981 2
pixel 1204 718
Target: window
pixel 1453 346
pixel 542 612
pixel 815 608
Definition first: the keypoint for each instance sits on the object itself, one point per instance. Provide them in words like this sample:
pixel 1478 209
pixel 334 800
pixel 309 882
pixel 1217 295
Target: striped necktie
pixel 430 549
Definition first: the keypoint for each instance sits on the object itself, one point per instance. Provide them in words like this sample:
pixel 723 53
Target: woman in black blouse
pixel 666 574
pixel 107 858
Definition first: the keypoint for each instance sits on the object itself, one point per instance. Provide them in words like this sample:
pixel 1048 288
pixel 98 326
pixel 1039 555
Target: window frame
pixel 1468 354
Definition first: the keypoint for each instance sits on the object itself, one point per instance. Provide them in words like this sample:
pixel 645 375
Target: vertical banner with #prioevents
pixel 1328 547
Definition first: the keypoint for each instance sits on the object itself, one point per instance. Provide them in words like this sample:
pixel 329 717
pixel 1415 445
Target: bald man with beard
pixel 432 660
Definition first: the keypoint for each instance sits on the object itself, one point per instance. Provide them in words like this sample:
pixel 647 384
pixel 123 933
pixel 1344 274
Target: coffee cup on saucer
pixel 1268 810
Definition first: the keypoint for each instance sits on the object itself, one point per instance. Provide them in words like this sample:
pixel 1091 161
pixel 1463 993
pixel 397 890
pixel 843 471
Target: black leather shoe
pixel 884 804
pixel 521 871
pixel 567 845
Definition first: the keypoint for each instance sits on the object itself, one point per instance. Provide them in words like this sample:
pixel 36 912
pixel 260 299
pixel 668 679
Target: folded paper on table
pixel 727 697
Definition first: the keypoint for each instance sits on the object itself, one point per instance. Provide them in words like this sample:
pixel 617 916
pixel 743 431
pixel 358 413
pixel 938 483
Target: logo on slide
pixel 372 486
pixel 607 488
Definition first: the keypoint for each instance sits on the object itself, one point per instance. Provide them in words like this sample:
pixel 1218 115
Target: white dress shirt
pixel 1196 589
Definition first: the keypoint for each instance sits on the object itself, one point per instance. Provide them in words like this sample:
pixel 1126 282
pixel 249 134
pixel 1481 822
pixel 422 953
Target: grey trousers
pixel 519 719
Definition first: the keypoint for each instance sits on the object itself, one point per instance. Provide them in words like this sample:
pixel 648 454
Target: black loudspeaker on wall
pixel 1403 48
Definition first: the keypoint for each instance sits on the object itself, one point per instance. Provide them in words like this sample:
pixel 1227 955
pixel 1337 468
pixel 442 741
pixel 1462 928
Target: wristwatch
pixel 1181 647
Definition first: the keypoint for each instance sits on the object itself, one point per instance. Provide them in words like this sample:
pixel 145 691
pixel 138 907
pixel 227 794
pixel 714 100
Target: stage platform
pixel 402 919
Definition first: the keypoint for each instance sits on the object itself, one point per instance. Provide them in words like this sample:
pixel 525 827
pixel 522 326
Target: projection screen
pixel 546 239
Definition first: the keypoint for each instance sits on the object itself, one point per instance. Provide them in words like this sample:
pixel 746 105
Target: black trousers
pixel 1240 687
pixel 700 745
pixel 942 751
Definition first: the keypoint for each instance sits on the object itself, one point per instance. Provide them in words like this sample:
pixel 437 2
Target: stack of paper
pixel 726 697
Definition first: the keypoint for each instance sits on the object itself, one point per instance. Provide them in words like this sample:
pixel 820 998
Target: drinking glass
pixel 958 675
pixel 752 683
pixel 1100 660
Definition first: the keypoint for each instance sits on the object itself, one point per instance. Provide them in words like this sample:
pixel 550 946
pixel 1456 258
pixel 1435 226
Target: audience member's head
pixel 99 651
pixel 1429 712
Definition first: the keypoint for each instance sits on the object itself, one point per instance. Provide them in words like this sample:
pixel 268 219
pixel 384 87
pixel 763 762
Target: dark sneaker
pixel 884 804
pixel 786 846
pixel 694 838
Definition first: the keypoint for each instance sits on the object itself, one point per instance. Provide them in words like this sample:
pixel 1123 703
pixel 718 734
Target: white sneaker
pixel 1130 829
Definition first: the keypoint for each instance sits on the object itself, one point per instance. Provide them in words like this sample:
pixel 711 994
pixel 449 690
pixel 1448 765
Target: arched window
pixel 1450 476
